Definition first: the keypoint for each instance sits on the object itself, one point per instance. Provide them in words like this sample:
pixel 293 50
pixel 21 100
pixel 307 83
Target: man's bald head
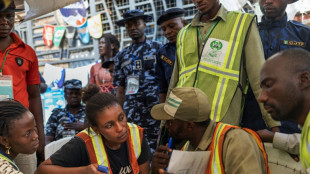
pixel 285 82
pixel 292 60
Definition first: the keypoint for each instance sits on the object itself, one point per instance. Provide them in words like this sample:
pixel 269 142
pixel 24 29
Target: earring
pixel 7 151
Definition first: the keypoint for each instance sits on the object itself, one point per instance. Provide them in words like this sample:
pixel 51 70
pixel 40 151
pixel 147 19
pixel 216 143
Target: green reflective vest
pixel 305 144
pixel 216 70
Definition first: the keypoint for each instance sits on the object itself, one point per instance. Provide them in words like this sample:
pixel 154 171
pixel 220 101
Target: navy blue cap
pixel 133 14
pixel 170 14
pixel 73 84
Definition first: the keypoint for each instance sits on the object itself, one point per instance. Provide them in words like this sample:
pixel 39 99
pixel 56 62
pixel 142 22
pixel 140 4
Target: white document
pixel 188 162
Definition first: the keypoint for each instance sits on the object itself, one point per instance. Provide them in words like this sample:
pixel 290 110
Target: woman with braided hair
pixel 18 134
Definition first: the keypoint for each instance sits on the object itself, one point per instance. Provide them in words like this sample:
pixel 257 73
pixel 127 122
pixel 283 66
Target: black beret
pixel 170 14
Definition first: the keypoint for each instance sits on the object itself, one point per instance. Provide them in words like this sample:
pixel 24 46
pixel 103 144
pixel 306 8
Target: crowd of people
pixel 223 83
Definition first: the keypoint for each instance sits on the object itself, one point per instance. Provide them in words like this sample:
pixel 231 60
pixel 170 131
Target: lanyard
pixel 71 117
pixel 208 34
pixel 203 44
pixel 134 63
pixel 4 61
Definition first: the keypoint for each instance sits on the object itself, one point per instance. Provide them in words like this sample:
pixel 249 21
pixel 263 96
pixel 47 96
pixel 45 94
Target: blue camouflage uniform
pixel 139 60
pixel 276 36
pixel 164 65
pixel 54 126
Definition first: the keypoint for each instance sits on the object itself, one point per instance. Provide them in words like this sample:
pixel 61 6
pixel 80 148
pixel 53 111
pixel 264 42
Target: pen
pixel 103 169
pixel 170 144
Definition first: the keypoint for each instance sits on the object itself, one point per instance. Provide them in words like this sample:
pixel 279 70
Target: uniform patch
pixel 294 43
pixel 19 61
pixel 164 58
pixel 138 65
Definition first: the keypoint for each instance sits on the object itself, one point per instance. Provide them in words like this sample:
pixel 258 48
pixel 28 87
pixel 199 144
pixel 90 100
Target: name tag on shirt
pixel 164 58
pixel 294 43
pixel 150 57
pixel 6 87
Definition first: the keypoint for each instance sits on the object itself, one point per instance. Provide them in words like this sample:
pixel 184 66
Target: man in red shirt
pixel 19 61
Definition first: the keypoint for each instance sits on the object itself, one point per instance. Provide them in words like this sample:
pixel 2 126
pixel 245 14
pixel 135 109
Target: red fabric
pixel 26 74
pixel 48 32
pixel 100 76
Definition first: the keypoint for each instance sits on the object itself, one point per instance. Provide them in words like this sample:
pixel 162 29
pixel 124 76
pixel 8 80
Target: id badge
pixel 132 85
pixel 6 87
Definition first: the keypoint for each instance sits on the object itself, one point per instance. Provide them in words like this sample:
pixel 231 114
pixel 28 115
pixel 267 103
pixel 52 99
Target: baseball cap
pixel 73 84
pixel 186 103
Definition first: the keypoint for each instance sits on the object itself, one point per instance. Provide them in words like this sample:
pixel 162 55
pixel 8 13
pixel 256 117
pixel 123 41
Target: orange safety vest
pixel 215 165
pixel 97 152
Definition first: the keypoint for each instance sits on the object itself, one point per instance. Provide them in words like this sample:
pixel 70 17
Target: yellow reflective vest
pixel 216 70
pixel 305 143
pixel 215 164
pixel 98 154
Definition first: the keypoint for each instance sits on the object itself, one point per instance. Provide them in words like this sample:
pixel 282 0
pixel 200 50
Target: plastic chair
pixel 52 147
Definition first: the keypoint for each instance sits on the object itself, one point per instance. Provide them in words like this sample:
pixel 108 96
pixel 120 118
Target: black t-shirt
pixel 119 159
pixel 75 154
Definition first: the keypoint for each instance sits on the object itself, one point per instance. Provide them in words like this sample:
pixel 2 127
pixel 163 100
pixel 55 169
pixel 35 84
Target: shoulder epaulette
pixel 299 24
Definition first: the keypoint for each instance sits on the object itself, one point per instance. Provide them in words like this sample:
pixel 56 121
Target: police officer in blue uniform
pixel 277 33
pixel 68 121
pixel 171 22
pixel 134 74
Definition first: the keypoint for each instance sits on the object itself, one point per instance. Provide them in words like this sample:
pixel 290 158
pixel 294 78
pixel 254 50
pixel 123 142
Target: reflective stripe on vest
pixel 304 145
pixel 215 165
pixel 98 154
pixel 224 78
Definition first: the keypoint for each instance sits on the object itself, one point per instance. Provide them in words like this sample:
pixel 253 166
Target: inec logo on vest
pixel 214 52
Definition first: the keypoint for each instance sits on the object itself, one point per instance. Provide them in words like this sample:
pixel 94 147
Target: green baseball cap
pixel 187 104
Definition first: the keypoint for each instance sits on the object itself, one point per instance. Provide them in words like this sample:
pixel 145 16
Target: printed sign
pixel 95 26
pixel 58 34
pixel 48 32
pixel 83 33
pixel 70 33
pixel 74 14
